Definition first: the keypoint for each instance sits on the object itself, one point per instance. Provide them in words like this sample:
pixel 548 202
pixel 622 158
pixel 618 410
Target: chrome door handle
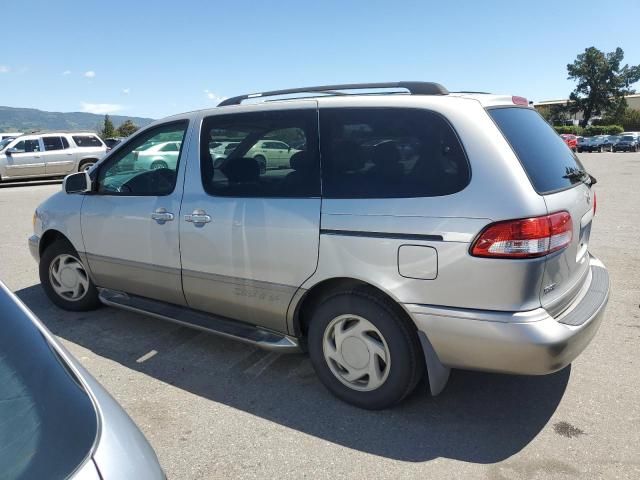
pixel 162 216
pixel 198 217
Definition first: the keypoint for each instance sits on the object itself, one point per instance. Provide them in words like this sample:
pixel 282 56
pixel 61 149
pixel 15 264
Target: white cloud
pixel 101 108
pixel 4 69
pixel 66 72
pixel 90 74
pixel 126 91
pixel 214 97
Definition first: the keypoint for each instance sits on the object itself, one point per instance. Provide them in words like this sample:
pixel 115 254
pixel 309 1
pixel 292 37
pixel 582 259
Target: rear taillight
pixel 525 237
pixel 595 203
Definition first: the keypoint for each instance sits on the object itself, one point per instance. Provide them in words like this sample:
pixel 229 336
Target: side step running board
pixel 224 327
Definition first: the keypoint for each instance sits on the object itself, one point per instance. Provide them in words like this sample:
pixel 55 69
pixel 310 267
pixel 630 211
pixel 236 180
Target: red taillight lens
pixel 525 238
pixel 595 203
pixel 519 100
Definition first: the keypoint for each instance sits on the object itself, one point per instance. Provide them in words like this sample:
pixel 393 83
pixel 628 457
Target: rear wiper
pixel 580 176
pixel 575 174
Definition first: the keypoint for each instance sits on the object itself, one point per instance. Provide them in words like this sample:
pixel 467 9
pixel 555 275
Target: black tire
pixel 262 163
pixel 89 301
pixel 158 164
pixel 407 363
pixel 83 164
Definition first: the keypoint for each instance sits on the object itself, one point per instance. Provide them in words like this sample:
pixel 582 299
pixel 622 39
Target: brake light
pixel 524 238
pixel 519 100
pixel 595 203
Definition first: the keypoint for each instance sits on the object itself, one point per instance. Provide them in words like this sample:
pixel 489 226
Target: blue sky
pixel 153 59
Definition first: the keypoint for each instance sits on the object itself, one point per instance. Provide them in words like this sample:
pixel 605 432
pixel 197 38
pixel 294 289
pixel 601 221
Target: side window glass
pixel 239 154
pixel 87 141
pixel 65 142
pixel 52 143
pixel 19 147
pixel 141 167
pixel 32 145
pixel 390 153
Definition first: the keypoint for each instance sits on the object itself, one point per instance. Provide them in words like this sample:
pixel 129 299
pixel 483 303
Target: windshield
pixel 627 138
pixel 550 165
pixel 5 142
pixel 47 421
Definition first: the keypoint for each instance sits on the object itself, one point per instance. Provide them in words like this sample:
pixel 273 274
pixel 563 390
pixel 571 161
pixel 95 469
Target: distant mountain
pixel 30 119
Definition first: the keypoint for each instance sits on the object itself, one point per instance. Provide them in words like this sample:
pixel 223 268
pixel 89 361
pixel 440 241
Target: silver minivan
pixel 415 230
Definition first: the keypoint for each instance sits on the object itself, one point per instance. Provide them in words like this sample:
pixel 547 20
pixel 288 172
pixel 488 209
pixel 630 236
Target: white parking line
pixel 261 365
pixel 147 356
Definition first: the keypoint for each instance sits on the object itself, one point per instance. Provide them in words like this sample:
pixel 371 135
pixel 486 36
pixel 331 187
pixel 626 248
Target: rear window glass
pixel 87 141
pixel 52 143
pixel 543 154
pixel 390 153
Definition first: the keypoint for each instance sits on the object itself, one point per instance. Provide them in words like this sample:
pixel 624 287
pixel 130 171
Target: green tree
pixel 107 130
pixel 602 83
pixel 127 128
pixel 554 114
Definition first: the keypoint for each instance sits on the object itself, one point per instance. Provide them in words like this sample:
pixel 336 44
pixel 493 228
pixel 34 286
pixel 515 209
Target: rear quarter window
pixel 87 141
pixel 543 154
pixel 390 153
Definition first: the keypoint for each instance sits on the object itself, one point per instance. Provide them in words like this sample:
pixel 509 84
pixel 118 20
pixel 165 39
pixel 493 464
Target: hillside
pixel 30 119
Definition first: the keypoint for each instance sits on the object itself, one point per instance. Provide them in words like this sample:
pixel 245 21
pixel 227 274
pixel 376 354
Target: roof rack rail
pixel 414 88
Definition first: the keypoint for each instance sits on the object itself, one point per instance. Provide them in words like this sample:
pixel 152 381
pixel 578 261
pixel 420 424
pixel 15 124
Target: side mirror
pixel 10 151
pixel 77 183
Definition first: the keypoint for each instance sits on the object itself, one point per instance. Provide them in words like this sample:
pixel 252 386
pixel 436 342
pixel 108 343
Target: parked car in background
pixel 112 142
pixel 271 154
pixel 49 155
pixel 628 143
pixel 581 144
pixel 376 247
pixel 571 141
pixel 57 420
pixel 598 143
pixel 159 155
pixel 612 140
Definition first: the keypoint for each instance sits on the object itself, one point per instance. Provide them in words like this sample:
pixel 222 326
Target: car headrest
pixel 347 156
pixel 299 161
pixel 241 170
pixel 386 154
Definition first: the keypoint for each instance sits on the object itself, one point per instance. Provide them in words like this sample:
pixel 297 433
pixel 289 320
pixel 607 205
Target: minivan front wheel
pixel 65 279
pixel 363 350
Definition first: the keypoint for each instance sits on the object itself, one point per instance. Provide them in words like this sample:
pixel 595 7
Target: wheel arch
pixel 51 236
pixel 82 161
pixel 304 301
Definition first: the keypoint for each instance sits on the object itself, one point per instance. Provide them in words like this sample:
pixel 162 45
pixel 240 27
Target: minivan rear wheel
pixel 65 279
pixel 363 350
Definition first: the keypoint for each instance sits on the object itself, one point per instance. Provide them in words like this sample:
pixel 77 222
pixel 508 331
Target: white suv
pixel 49 154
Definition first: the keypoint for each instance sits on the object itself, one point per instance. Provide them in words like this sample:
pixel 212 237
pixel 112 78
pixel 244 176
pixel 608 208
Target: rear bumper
pixel 34 247
pixel 532 342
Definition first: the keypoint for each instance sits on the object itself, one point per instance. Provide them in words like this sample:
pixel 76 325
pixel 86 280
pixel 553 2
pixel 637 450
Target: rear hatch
pixel 558 176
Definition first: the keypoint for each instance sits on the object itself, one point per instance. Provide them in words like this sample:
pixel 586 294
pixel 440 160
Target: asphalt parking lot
pixel 213 408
